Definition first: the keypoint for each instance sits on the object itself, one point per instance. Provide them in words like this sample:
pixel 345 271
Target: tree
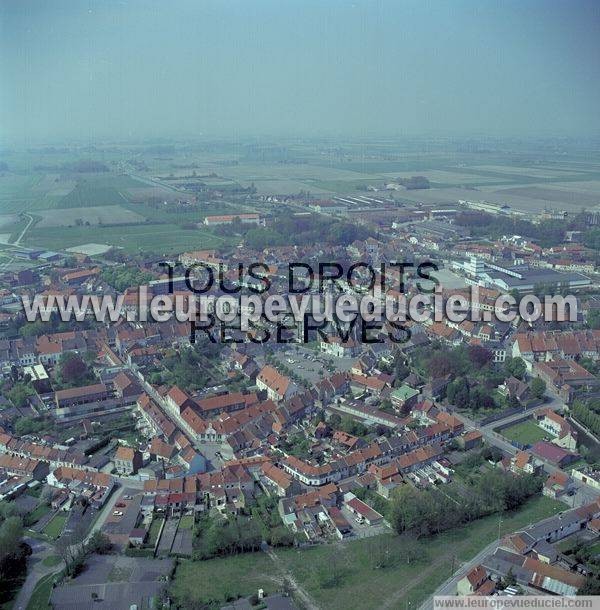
pixel 99 543
pixel 515 367
pixel 479 356
pixel 19 394
pixel 29 425
pixel 538 387
pixel 73 369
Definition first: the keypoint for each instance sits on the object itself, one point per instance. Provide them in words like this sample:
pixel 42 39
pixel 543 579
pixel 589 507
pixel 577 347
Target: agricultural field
pixel 156 238
pixel 524 182
pixel 524 433
pixel 98 190
pixel 91 215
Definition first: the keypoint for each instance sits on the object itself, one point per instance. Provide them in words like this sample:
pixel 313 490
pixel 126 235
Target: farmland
pixel 157 238
pixel 141 199
pixel 90 215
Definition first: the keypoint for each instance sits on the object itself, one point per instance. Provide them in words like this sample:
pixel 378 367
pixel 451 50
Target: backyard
pixel 55 526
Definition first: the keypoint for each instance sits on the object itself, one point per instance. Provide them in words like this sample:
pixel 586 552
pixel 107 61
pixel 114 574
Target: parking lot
pixel 123 518
pixel 310 364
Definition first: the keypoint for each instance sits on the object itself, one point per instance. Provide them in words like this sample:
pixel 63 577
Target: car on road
pixel 120 505
pixel 117 513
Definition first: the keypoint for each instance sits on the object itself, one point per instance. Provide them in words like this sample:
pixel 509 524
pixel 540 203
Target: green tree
pixel 538 387
pixel 515 367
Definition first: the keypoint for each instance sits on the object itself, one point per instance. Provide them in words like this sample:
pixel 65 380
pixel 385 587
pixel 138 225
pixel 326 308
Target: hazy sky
pixel 138 68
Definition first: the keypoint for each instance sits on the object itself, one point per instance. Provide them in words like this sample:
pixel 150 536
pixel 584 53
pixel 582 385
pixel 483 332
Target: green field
pixel 40 598
pixel 217 580
pixel 525 433
pixel 39 191
pixel 55 526
pixel 361 584
pixel 51 561
pixel 156 238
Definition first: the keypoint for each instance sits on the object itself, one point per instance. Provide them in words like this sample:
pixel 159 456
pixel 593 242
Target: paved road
pixel 449 587
pixel 105 512
pixel 584 493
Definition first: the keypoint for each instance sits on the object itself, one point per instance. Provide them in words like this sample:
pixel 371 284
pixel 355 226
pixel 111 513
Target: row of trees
pixel 586 416
pixel 428 512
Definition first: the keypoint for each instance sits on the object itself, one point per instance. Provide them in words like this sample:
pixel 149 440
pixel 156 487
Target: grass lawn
pixel 595 548
pixel 220 579
pixel 361 584
pixel 35 515
pixel 51 561
pixel 158 238
pixel 55 526
pixel 526 433
pixel 40 598
pixel 187 522
pixel 153 531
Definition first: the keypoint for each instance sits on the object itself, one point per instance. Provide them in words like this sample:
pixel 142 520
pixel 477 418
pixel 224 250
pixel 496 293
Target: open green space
pixel 51 561
pixel 217 580
pixel 525 433
pixel 157 238
pixel 360 582
pixel 40 598
pixel 55 526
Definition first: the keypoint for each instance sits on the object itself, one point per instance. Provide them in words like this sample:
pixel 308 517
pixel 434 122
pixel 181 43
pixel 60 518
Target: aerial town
pixel 192 416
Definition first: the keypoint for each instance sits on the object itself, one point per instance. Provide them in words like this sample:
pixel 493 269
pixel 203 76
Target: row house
pixel 155 419
pixel 96 487
pixel 279 480
pixel 53 455
pixel 225 403
pixel 543 346
pixel 23 467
